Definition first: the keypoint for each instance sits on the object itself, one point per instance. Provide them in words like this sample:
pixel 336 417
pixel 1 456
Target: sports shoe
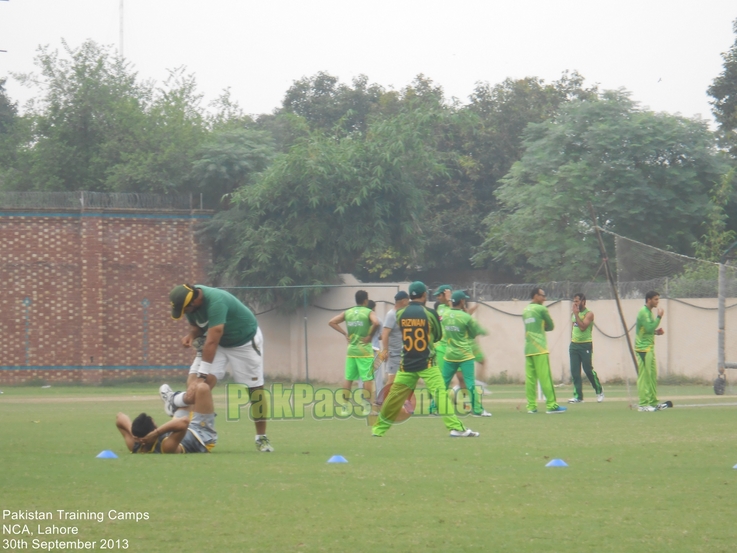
pixel 666 405
pixel 575 400
pixel 263 445
pixel 532 411
pixel 167 396
pixel 467 433
pixel 557 410
pixel 646 408
pixel 600 397
pixel 482 414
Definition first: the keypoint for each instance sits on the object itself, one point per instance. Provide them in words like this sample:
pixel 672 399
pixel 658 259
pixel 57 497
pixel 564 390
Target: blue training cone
pixel 107 454
pixel 337 459
pixel 557 463
pixel 734 467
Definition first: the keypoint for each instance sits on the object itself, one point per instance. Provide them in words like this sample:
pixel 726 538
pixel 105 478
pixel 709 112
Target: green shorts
pixel 359 368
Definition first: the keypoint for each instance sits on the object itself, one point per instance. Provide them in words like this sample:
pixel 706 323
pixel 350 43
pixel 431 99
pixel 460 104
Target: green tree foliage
pixel 229 160
pixel 724 91
pixel 647 175
pixel 94 126
pixel 318 208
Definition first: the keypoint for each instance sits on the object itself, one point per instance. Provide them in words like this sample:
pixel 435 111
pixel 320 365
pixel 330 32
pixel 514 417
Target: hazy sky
pixel 666 53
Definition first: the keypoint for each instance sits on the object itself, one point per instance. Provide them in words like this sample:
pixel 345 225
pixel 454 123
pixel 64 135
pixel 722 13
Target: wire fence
pixel 99 200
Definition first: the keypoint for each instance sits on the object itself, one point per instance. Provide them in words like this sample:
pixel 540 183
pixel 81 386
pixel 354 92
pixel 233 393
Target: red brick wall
pixel 85 295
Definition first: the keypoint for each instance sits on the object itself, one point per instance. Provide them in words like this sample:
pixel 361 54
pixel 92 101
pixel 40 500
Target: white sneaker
pixel 575 400
pixel 646 408
pixel 467 433
pixel 167 396
pixel 263 445
pixel 600 397
pixel 482 414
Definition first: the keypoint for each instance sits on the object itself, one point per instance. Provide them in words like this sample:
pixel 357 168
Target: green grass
pixel 635 482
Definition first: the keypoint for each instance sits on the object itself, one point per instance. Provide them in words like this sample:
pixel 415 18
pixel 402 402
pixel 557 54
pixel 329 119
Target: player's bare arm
pixel 374 327
pixel 384 353
pixel 214 334
pixel 334 323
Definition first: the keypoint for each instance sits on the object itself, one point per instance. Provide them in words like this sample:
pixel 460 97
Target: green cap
pixel 416 289
pixel 442 288
pixel 180 297
pixel 459 295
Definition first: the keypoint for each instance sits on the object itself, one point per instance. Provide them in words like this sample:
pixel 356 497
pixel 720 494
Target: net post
pixel 608 272
pixel 720 318
pixel 307 361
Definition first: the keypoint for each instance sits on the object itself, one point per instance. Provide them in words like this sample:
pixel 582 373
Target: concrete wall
pixel 688 347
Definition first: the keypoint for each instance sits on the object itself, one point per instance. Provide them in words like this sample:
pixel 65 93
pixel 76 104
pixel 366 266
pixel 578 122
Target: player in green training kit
pixel 647 370
pixel 581 350
pixel 537 359
pixel 460 330
pixel 361 324
pixel 420 331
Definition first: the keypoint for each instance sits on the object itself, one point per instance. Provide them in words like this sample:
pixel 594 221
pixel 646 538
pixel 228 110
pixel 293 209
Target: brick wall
pixel 85 294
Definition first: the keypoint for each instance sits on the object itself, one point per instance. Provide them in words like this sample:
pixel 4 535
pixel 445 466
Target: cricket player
pixel 647 370
pixel 581 350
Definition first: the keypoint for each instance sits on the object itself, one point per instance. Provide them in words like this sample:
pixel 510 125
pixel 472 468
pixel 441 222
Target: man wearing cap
pixel 420 329
pixel 361 324
pixel 460 330
pixel 232 336
pixel 537 321
pixel 391 339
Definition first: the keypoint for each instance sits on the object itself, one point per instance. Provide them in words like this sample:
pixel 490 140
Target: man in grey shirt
pixel 391 339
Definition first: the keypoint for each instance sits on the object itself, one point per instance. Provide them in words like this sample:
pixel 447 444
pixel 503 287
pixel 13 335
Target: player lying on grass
pixel 179 435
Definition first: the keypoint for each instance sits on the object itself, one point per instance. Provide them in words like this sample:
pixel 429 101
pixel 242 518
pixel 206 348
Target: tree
pixel 724 92
pixel 318 208
pixel 647 175
pixel 229 160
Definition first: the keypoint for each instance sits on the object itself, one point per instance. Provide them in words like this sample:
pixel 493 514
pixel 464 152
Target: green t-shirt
pixel 579 336
pixel 358 323
pixel 537 322
pixel 221 307
pixel 645 330
pixel 442 344
pixel 459 330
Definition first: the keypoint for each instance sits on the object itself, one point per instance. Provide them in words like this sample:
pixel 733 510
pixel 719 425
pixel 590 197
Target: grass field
pixel 635 481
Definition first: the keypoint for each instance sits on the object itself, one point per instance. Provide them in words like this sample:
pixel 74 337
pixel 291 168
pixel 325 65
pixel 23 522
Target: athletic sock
pixel 260 436
pixel 179 400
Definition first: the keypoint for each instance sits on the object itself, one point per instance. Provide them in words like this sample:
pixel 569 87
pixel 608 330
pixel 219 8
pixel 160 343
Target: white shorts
pixel 246 365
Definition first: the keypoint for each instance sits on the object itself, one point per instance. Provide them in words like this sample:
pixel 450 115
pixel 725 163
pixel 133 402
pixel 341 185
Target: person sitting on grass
pixel 179 435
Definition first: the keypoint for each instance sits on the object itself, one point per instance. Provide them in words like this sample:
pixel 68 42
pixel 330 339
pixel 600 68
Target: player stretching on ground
pixel 180 434
pixel 420 330
pixel 581 350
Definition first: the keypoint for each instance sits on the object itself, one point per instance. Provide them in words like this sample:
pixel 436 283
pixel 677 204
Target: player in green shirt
pixel 581 350
pixel 232 337
pixel 460 330
pixel 420 330
pixel 647 370
pixel 361 324
pixel 537 322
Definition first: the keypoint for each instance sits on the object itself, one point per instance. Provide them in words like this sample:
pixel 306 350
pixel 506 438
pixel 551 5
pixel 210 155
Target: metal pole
pixel 122 55
pixel 720 332
pixel 307 362
pixel 610 278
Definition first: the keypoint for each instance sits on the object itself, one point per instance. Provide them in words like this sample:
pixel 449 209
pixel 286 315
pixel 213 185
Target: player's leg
pixel 542 368
pixel 365 367
pixel 643 380
pixel 436 386
pixel 468 371
pixel 531 383
pixel 587 362
pixel 651 369
pixel 402 388
pixel 574 353
pixel 247 364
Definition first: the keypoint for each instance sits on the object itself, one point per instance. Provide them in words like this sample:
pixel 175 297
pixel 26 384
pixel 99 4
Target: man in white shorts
pixel 232 337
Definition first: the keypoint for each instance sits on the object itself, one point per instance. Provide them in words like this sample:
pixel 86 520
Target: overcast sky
pixel 665 52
